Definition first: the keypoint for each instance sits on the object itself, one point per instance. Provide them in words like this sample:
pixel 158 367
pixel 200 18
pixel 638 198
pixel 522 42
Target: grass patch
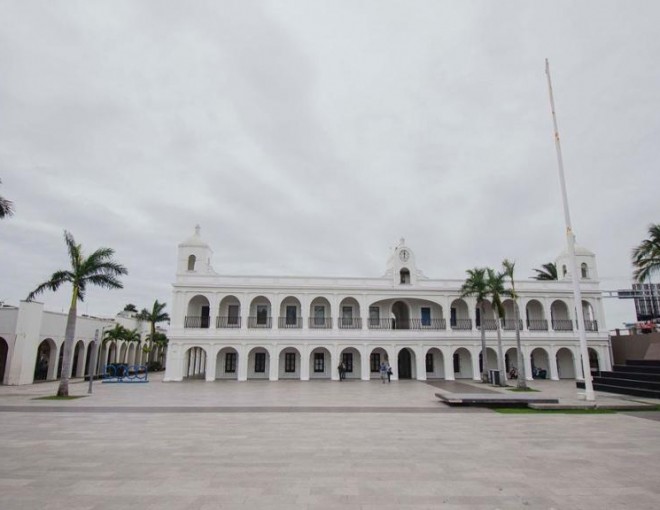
pixel 527 410
pixel 523 390
pixel 55 397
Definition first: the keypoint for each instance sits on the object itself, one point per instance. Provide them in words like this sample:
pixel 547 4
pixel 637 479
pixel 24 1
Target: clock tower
pixel 401 267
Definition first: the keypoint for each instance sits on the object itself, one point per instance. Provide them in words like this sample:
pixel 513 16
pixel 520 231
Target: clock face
pixel 404 255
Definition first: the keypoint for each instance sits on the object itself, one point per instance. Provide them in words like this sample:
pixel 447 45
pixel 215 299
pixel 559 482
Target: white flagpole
pixel 570 240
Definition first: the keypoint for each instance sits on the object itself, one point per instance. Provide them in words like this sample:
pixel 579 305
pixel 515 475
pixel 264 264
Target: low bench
pixel 493 399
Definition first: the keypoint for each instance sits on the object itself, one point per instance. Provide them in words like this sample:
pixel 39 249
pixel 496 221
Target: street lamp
pixel 95 356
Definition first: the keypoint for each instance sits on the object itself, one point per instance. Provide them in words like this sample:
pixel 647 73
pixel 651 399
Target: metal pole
pixel 570 240
pixel 92 365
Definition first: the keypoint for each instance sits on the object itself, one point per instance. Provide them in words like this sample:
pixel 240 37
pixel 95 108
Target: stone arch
pixel 4 357
pixel 320 363
pixel 353 361
pixel 88 356
pixel 594 360
pixel 400 315
pixel 459 315
pixel 349 314
pixel 77 366
pixel 123 353
pixel 406 367
pixel 565 363
pixel 260 313
pixel 226 366
pixel 191 262
pixel 258 363
pixel 46 362
pixel 194 363
pixel 435 363
pixel 561 319
pixel 535 316
pixel 289 363
pixel 377 355
pixel 509 319
pixel 462 361
pixel 589 316
pixel 320 313
pixel 229 312
pixel 198 312
pixel 491 359
pixel 404 276
pixel 540 361
pixel 290 313
pixel 511 360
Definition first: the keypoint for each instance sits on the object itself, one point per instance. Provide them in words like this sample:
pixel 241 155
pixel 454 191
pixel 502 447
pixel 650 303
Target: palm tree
pixel 508 271
pixel 646 256
pixel 6 207
pixel 548 271
pixel 154 316
pixel 114 335
pixel 98 269
pixel 475 285
pixel 496 290
pixel 130 307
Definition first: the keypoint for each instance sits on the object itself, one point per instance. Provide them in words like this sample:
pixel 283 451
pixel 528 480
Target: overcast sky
pixel 307 137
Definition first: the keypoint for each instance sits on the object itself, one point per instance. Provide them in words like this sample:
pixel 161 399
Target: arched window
pixel 585 270
pixel 191 263
pixel 563 270
pixel 405 275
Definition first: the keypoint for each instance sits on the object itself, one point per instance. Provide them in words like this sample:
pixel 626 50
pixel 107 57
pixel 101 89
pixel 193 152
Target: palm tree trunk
pixel 484 358
pixel 69 334
pixel 522 378
pixel 500 353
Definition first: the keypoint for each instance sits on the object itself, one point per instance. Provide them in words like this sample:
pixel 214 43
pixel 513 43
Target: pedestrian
pixel 383 371
pixel 340 369
pixel 343 370
pixel 389 372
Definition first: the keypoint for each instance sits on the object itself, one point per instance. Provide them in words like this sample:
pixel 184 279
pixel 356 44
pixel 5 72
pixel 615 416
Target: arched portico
pixel 229 312
pixel 289 363
pixel 290 313
pixel 565 363
pixel 258 363
pixel 349 314
pixel 511 360
pixel 226 365
pixel 561 319
pixel 198 312
pixel 491 360
pixel 435 364
pixel 194 363
pixel 46 362
pixel 406 364
pixel 462 364
pixel 594 360
pixel 459 315
pixel 400 315
pixel 353 362
pixel 535 316
pixel 60 360
pixel 320 363
pixel 77 366
pixel 260 313
pixel 540 361
pixel 377 356
pixel 320 315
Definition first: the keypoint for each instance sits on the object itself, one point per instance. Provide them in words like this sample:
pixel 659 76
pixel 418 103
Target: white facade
pixel 260 327
pixel 32 343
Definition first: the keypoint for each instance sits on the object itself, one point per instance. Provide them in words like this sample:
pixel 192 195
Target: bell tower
pixel 194 255
pixel 401 266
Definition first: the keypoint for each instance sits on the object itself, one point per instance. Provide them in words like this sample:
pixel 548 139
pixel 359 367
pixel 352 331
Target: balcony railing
pixel 289 322
pixel 379 323
pixel 320 322
pixel 489 324
pixel 510 324
pixel 428 324
pixel 461 324
pixel 590 325
pixel 260 322
pixel 193 321
pixel 537 325
pixel 349 322
pixel 228 322
pixel 562 325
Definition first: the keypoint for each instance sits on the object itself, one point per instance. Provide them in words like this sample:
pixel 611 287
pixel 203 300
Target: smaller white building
pixel 32 343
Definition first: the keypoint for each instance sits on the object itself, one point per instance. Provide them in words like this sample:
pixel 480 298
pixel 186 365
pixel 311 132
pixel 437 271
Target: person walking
pixel 383 371
pixel 389 372
pixel 340 369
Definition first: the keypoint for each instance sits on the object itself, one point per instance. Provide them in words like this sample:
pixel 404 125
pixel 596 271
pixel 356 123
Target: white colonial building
pixel 287 327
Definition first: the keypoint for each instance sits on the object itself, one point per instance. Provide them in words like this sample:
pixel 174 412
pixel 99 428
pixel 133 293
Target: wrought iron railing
pixel 428 324
pixel 373 323
pixel 260 322
pixel 320 322
pixel 510 324
pixel 562 325
pixel 537 325
pixel 460 323
pixel 228 322
pixel 289 322
pixel 193 321
pixel 349 322
pixel 489 324
pixel 590 325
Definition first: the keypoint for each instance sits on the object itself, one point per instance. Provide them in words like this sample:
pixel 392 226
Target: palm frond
pixel 104 280
pixel 56 280
pixel 646 256
pixel 548 272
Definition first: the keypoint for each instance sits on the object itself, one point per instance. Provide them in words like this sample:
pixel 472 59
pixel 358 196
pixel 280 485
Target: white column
pixel 274 364
pixel 211 363
pixel 474 354
pixel 334 362
pixel 448 360
pixel 365 368
pixel 420 358
pixel 243 352
pixel 577 360
pixel 393 361
pixel 528 363
pixel 174 369
pixel 304 363
pixel 554 373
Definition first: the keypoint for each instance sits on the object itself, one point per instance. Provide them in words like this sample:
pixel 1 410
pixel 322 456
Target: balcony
pixel 562 325
pixel 320 323
pixel 461 324
pixel 379 323
pixel 349 323
pixel 537 325
pixel 428 324
pixel 489 324
pixel 510 324
pixel 192 321
pixel 590 325
pixel 228 322
pixel 260 322
pixel 289 322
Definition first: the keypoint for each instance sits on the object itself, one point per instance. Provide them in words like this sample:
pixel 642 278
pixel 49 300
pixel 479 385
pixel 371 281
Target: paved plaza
pixel 318 444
